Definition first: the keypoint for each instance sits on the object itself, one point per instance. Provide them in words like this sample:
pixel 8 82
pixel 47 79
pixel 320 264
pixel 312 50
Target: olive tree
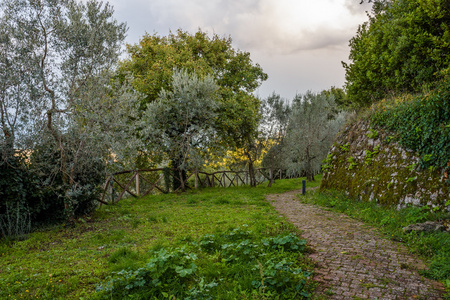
pixel 180 124
pixel 58 99
pixel 275 113
pixel 313 126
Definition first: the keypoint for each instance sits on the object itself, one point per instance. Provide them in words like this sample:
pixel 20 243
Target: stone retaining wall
pixel 369 165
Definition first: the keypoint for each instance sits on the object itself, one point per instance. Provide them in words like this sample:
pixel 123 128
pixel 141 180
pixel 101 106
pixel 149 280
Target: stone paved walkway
pixel 353 260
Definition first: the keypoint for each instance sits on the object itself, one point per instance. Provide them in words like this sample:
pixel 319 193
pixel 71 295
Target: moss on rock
pixel 368 165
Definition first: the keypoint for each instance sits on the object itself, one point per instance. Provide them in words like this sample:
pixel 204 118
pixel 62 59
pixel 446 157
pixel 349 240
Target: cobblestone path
pixel 353 260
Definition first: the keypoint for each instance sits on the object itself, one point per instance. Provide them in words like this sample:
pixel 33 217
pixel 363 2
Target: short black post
pixel 303 187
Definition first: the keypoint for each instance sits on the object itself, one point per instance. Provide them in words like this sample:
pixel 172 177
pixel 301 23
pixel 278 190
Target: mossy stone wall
pixel 367 164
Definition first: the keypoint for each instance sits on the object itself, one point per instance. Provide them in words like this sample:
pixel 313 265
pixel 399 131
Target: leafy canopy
pixel 180 123
pixel 153 60
pixel 58 102
pixel 422 123
pixel 400 49
pixel 311 128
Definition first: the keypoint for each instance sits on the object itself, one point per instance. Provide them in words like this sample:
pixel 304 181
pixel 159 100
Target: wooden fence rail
pixel 138 183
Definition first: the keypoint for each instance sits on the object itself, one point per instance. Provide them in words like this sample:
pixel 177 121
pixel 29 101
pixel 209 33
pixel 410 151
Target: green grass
pixel 69 262
pixel 434 248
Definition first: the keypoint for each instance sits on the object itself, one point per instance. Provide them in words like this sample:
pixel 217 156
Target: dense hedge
pixel 33 192
pixel 401 48
pixel 422 124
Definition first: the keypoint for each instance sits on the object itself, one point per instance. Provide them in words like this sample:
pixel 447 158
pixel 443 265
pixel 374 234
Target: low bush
pixel 228 265
pixel 33 192
pixel 19 197
pixel 65 199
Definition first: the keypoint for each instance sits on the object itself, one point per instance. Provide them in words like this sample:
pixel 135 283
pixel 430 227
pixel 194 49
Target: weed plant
pixel 433 247
pixel 235 264
pixel 69 262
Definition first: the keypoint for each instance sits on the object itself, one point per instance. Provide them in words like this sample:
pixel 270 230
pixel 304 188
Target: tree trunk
pixel 180 182
pixel 182 179
pixel 308 168
pixel 251 171
pixel 272 179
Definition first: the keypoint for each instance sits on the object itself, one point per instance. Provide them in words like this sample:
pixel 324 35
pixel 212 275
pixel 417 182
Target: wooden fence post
pixel 137 183
pixel 180 172
pixel 112 191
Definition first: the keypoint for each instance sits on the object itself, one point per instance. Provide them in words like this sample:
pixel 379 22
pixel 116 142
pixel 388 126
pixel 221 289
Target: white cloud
pixel 275 26
pixel 307 32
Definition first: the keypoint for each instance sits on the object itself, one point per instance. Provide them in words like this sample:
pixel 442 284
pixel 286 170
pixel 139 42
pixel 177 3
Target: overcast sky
pixel 299 43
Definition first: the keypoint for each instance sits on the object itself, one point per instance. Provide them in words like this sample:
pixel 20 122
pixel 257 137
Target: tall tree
pixel 312 129
pixel 57 95
pixel 180 123
pixel 153 60
pixel 274 123
pixel 400 49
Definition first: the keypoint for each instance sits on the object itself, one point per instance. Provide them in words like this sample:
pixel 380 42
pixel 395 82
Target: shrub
pixel 232 264
pixel 76 196
pixel 19 197
pixel 33 191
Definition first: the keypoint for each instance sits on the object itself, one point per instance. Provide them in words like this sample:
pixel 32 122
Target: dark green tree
pixel 340 97
pixel 400 49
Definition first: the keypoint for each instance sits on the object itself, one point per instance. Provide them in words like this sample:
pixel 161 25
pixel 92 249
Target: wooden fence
pixel 137 183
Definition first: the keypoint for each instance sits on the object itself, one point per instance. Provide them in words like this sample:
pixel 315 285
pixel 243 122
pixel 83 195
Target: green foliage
pixel 388 139
pixel 63 201
pixel 59 103
pixel 392 166
pixel 352 163
pixel 435 247
pixel 411 179
pixel 181 123
pixel 33 192
pixel 153 61
pixel 275 114
pixel 68 262
pixel 373 134
pixel 15 222
pixel 326 163
pixel 421 124
pixel 400 49
pixel 167 178
pixel 17 184
pixel 340 97
pixel 371 154
pixel 344 148
pixel 269 264
pixel 314 123
pixel 167 270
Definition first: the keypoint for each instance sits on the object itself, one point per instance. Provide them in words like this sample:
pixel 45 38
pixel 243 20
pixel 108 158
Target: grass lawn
pixel 69 262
